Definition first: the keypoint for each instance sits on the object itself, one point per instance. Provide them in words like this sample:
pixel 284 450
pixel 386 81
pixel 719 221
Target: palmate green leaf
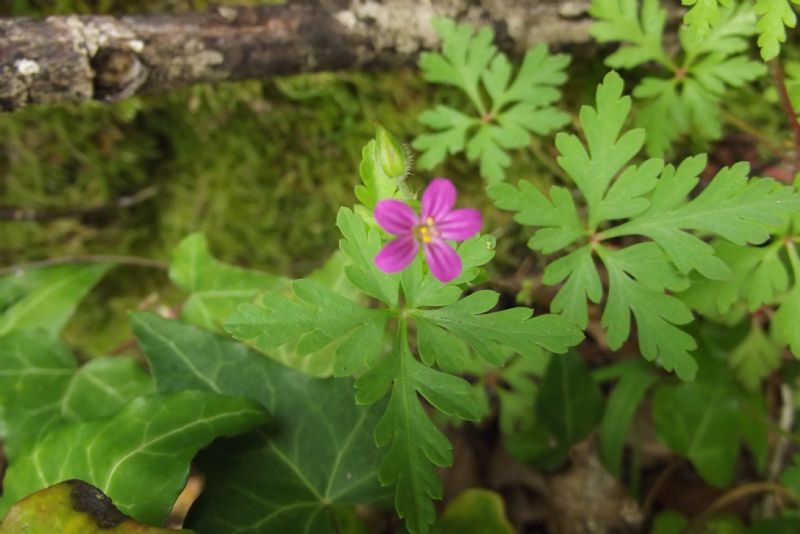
pixel 215 288
pixel 414 441
pixel 592 167
pixel 476 510
pixel 421 289
pixel 72 507
pixel 759 277
pixel 557 216
pixel 635 380
pixel 45 298
pixel 139 457
pixel 318 454
pixel 620 20
pixel 638 276
pixel 774 16
pixel 702 15
pixel 784 323
pixel 514 328
pixel 516 109
pixel 41 386
pixel 317 317
pixel 740 210
pixel 361 244
pixel 755 357
pixel 649 200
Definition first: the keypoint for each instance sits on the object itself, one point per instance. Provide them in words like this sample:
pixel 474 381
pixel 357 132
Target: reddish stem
pixel 788 109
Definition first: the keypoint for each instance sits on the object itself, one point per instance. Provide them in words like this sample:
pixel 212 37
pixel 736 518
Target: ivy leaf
pixel 46 298
pixel 215 288
pixel 635 380
pixel 41 385
pixel 287 478
pixel 139 457
pixel 407 464
pixel 774 17
pixel 638 276
pixel 516 109
pixel 475 510
pixel 569 404
pixel 699 421
pixel 72 507
pixel 619 20
pixel 512 328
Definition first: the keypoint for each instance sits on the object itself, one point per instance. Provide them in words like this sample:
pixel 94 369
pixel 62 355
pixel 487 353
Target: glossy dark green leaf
pixel 318 453
pixel 477 511
pixel 139 457
pixel 41 385
pixel 72 507
pixel 569 404
pixel 215 288
pixel 623 402
pixel 46 298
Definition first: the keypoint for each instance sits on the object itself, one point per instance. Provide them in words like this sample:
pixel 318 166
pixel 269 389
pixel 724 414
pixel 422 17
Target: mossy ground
pixel 261 167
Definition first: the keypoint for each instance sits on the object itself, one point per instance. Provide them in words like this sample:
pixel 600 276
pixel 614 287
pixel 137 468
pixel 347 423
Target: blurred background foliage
pixel 260 167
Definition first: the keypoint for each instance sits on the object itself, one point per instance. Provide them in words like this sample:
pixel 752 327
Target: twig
pixel 740 492
pixel 748 129
pixel 13 213
pixel 788 109
pixel 655 489
pixel 776 465
pixel 91 258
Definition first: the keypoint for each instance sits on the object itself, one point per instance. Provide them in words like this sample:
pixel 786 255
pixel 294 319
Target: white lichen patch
pixel 90 35
pixel 403 26
pixel 196 61
pixel 27 67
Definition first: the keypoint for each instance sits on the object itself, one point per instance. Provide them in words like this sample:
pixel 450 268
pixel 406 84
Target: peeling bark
pixel 75 58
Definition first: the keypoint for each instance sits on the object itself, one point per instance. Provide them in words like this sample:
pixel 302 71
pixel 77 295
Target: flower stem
pixel 786 103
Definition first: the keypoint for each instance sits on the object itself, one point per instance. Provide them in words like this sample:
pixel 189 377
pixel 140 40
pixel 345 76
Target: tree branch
pixel 75 58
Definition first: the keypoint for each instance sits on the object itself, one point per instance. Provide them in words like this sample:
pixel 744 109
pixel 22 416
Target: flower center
pixel 426 232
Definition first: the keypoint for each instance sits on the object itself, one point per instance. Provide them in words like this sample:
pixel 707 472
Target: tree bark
pixel 106 58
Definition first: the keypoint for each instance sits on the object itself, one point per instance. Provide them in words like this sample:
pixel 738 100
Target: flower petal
pixel 460 224
pixel 444 261
pixel 438 199
pixel 395 217
pixel 397 255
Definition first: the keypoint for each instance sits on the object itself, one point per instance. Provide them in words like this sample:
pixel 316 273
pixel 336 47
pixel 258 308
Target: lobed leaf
pixel 42 386
pixel 215 288
pixel 46 298
pixel 139 457
pixel 290 476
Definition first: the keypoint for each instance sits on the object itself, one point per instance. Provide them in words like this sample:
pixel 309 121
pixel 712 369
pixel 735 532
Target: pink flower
pixel 438 224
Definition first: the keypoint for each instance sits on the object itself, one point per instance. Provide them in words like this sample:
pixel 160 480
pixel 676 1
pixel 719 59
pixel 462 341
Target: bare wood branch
pixel 75 58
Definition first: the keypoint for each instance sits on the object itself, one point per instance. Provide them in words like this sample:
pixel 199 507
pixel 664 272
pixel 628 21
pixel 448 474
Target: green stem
pixel 794 259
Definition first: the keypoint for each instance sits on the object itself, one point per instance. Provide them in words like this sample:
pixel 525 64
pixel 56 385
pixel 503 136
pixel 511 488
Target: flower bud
pixel 391 155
